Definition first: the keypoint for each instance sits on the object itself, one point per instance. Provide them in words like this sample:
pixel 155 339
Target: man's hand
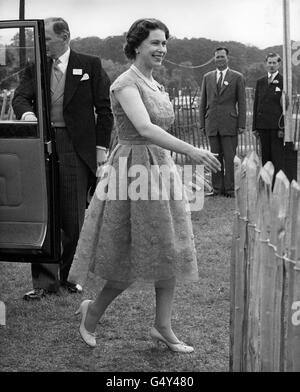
pixel 203 130
pixel 29 117
pixel 101 159
pixel 255 133
pixel 101 156
pixel 241 130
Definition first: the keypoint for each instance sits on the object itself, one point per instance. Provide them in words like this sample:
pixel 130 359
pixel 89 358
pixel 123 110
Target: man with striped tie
pixel 79 90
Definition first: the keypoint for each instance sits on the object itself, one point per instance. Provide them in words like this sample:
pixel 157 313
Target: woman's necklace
pixel 150 83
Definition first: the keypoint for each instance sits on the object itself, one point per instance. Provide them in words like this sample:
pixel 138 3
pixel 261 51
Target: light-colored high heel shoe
pixel 88 337
pixel 179 347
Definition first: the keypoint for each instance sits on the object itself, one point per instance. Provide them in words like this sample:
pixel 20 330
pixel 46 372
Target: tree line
pixel 177 70
pixel 247 59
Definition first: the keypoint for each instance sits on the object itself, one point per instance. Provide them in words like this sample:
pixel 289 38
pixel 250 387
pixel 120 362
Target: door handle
pixel 49 147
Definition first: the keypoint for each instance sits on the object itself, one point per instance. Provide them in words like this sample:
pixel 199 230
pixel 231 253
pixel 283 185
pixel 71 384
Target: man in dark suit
pixel 222 117
pixel 82 121
pixel 268 117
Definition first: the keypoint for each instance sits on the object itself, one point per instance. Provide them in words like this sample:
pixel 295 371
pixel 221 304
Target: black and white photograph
pixel 149 189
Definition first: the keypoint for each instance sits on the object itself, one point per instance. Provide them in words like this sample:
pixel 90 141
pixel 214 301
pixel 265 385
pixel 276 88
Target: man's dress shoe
pixel 35 294
pixel 71 287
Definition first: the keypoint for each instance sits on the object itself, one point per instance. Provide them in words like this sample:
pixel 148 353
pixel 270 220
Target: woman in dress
pixel 126 238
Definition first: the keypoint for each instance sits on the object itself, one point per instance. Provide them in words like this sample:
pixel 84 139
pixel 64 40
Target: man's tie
pixel 219 84
pixel 270 79
pixel 57 71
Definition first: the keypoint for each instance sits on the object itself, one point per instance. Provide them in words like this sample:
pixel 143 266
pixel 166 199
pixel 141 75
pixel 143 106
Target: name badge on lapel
pixel 77 71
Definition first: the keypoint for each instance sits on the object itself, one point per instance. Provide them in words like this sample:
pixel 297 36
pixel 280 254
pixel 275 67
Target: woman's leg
pixel 164 300
pixel 97 308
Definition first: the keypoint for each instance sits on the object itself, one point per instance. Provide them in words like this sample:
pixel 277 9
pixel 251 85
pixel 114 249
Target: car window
pixel 17 74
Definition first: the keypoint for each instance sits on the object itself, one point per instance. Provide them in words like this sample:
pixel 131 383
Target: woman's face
pixel 153 49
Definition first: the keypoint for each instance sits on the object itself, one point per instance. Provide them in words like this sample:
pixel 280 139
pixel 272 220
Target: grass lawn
pixel 43 336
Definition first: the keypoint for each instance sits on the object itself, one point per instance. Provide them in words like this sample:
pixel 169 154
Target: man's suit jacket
pixel 224 112
pixel 267 108
pixel 86 107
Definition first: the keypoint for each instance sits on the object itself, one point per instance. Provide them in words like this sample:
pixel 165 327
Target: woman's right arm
pixel 132 104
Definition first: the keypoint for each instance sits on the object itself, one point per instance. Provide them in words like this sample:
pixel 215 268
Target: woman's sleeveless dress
pixel 124 239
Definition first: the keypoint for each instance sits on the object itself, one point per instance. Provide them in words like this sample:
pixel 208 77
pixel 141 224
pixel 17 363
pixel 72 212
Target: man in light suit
pixel 222 117
pixel 268 122
pixel 82 120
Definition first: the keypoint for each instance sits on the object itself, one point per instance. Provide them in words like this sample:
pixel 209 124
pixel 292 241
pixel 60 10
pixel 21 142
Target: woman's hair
pixel 138 32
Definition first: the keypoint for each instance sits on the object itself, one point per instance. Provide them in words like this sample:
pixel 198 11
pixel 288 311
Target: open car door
pixel 29 226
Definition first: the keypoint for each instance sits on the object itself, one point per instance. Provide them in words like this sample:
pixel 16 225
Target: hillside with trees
pixel 184 52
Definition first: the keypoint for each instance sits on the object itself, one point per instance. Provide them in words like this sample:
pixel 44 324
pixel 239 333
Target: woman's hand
pixel 207 158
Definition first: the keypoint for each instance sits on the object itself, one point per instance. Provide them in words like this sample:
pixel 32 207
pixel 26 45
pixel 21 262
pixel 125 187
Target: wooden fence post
pixel 240 295
pixel 295 306
pixel 241 276
pixel 255 287
pixel 253 168
pixel 294 211
pixel 279 213
pixel 267 286
pixel 233 261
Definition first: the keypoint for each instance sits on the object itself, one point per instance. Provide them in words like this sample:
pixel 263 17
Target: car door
pixel 29 227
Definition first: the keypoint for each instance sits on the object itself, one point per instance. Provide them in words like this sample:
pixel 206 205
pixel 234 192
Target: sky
pixel 252 22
